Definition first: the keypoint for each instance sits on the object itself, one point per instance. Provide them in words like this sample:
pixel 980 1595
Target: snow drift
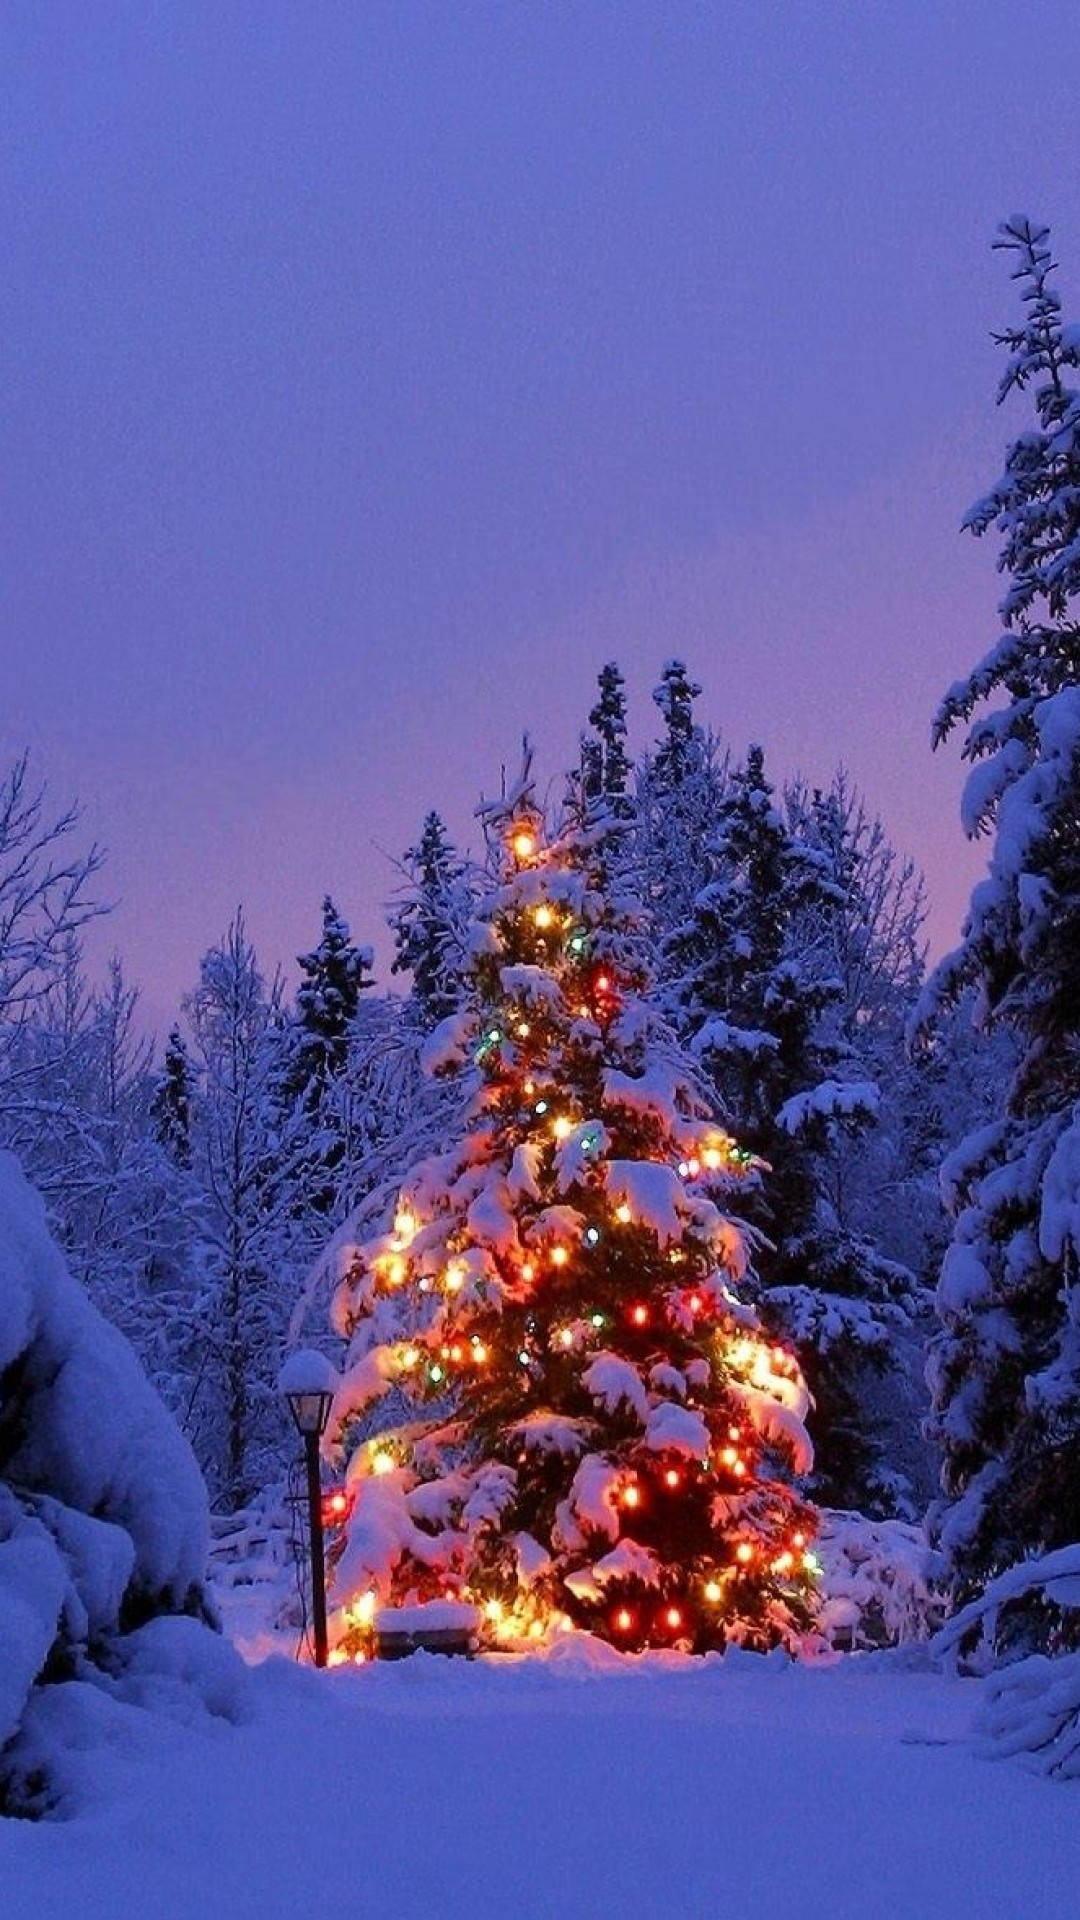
pixel 103 1515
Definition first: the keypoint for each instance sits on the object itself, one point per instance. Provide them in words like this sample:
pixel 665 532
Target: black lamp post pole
pixel 315 1534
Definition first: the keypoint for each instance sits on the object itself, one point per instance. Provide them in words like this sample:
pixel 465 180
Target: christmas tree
pixel 591 1428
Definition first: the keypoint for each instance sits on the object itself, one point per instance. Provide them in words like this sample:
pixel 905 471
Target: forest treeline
pixel 921 1213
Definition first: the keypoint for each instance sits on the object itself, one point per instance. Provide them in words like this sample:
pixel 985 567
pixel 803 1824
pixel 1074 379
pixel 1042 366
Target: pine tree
pixel 428 922
pixel 680 786
pixel 608 721
pixel 248 1158
pixel 675 698
pixel 171 1104
pixel 757 993
pixel 596 1432
pixel 335 976
pixel 1004 1370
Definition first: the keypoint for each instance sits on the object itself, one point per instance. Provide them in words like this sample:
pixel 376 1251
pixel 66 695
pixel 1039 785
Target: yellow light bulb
pixel 405 1225
pixel 559 1256
pixel 479 1352
pixel 493 1609
pixel 455 1277
pixel 382 1462
pixel 744 1553
pixel 631 1497
pixel 713 1592
pixel 623 1214
pixel 524 844
pixel 563 1127
pixel 409 1358
pixel 543 916
pixel 536 1630
pixel 522 1029
pixel 336 1657
pixel 566 1337
pixel 396 1269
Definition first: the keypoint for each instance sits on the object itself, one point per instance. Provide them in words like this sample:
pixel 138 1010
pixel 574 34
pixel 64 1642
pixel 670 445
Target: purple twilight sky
pixel 372 372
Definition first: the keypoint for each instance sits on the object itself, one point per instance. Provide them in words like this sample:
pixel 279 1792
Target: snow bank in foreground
pixel 103 1514
pixel 553 1790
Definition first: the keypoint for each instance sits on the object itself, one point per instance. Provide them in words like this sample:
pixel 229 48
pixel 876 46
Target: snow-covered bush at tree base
pixel 103 1514
pixel 593 1428
pixel 881 1582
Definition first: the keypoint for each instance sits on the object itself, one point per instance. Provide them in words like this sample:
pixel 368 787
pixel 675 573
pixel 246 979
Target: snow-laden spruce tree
pixel 606 766
pixel 592 1428
pixel 170 1106
pixel 429 920
pixel 315 1047
pixel 679 787
pixel 756 987
pixel 250 1151
pixel 1005 1367
pixel 334 977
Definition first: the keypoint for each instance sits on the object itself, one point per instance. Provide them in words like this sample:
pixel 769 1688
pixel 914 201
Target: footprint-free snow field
pixel 557 1790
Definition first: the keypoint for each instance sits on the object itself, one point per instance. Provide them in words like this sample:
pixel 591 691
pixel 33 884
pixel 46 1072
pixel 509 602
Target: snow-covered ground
pixel 580 1786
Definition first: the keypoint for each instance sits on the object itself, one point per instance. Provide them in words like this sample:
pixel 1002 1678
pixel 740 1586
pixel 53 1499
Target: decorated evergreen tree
pixel 429 922
pixel 1005 1368
pixel 592 1429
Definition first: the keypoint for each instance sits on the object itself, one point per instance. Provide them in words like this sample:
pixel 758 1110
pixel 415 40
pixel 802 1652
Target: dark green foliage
pixel 429 922
pixel 171 1106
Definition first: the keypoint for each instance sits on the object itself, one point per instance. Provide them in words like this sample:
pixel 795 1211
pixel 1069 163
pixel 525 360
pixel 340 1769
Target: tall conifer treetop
pixel 334 977
pixel 1004 1370
pixel 608 720
pixel 595 1431
pixel 675 696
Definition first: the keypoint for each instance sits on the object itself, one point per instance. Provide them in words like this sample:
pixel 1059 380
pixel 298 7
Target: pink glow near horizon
pixel 372 382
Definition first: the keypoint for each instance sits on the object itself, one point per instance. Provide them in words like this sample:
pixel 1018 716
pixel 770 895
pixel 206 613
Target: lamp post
pixel 308 1380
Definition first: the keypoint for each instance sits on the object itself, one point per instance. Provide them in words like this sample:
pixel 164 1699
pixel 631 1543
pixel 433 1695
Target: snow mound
pixel 103 1514
pixel 1032 1712
pixel 881 1582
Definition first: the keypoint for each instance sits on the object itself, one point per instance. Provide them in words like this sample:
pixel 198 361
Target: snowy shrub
pixel 1033 1711
pixel 103 1516
pixel 1033 1607
pixel 880 1582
